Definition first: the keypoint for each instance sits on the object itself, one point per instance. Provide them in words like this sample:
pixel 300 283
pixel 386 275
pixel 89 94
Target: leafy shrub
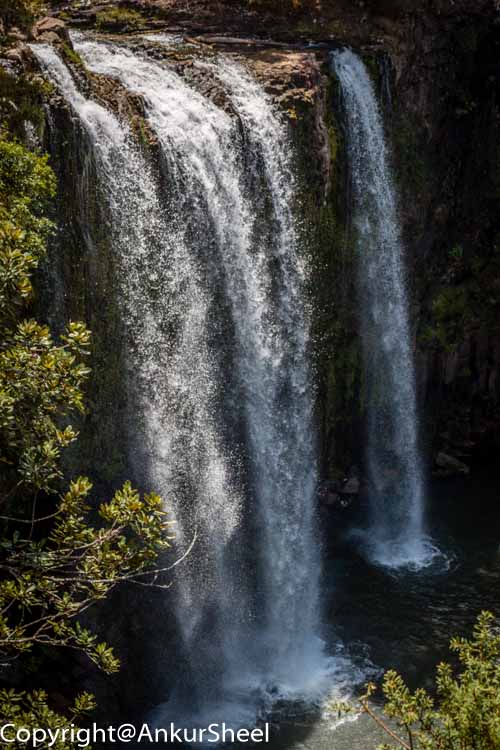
pixel 464 714
pixel 21 100
pixel 119 19
pixel 20 13
pixel 54 562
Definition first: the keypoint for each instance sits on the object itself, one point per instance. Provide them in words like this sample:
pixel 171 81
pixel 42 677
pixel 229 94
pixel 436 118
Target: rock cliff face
pixel 435 62
pixel 444 125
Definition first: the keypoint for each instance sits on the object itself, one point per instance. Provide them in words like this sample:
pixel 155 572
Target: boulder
pixel 49 25
pixel 49 37
pixel 450 465
pixel 15 54
pixel 16 35
pixel 351 487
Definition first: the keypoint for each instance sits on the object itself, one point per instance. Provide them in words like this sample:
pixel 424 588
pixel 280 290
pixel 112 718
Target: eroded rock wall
pixel 435 63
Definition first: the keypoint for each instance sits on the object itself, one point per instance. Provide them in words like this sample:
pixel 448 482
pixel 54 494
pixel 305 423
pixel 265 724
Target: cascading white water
pixel 212 288
pixel 173 376
pixel 397 537
pixel 275 374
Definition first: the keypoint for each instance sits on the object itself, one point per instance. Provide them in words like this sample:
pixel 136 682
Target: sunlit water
pixel 211 271
pixel 397 536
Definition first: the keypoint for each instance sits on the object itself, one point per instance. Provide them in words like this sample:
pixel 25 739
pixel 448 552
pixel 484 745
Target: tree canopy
pixel 60 550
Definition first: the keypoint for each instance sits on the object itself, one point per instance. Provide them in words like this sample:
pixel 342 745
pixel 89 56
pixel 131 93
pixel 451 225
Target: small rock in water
pixel 450 464
pixel 351 487
pixel 332 498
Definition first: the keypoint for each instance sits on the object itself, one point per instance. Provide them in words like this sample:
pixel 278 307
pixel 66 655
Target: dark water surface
pixel 405 621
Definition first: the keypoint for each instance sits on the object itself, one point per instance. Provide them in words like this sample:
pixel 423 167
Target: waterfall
pixel 211 277
pixel 172 375
pixel 396 484
pixel 277 382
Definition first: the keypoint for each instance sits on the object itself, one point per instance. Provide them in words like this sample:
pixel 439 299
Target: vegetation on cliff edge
pixel 56 557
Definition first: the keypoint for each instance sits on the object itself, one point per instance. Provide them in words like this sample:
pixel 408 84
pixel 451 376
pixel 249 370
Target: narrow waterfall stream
pixel 212 294
pixel 397 536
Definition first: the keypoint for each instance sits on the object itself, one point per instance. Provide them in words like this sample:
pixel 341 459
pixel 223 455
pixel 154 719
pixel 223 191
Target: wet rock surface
pixel 435 64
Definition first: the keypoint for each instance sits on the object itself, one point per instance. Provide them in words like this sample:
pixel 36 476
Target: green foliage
pixel 468 296
pixel 61 574
pixel 121 19
pixel 21 99
pixel 464 714
pixel 31 712
pixel 54 563
pixel 20 13
pixel 456 253
pixel 71 55
pixel 38 380
pixel 26 182
pixel 451 302
pixel 450 312
pixel 39 383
